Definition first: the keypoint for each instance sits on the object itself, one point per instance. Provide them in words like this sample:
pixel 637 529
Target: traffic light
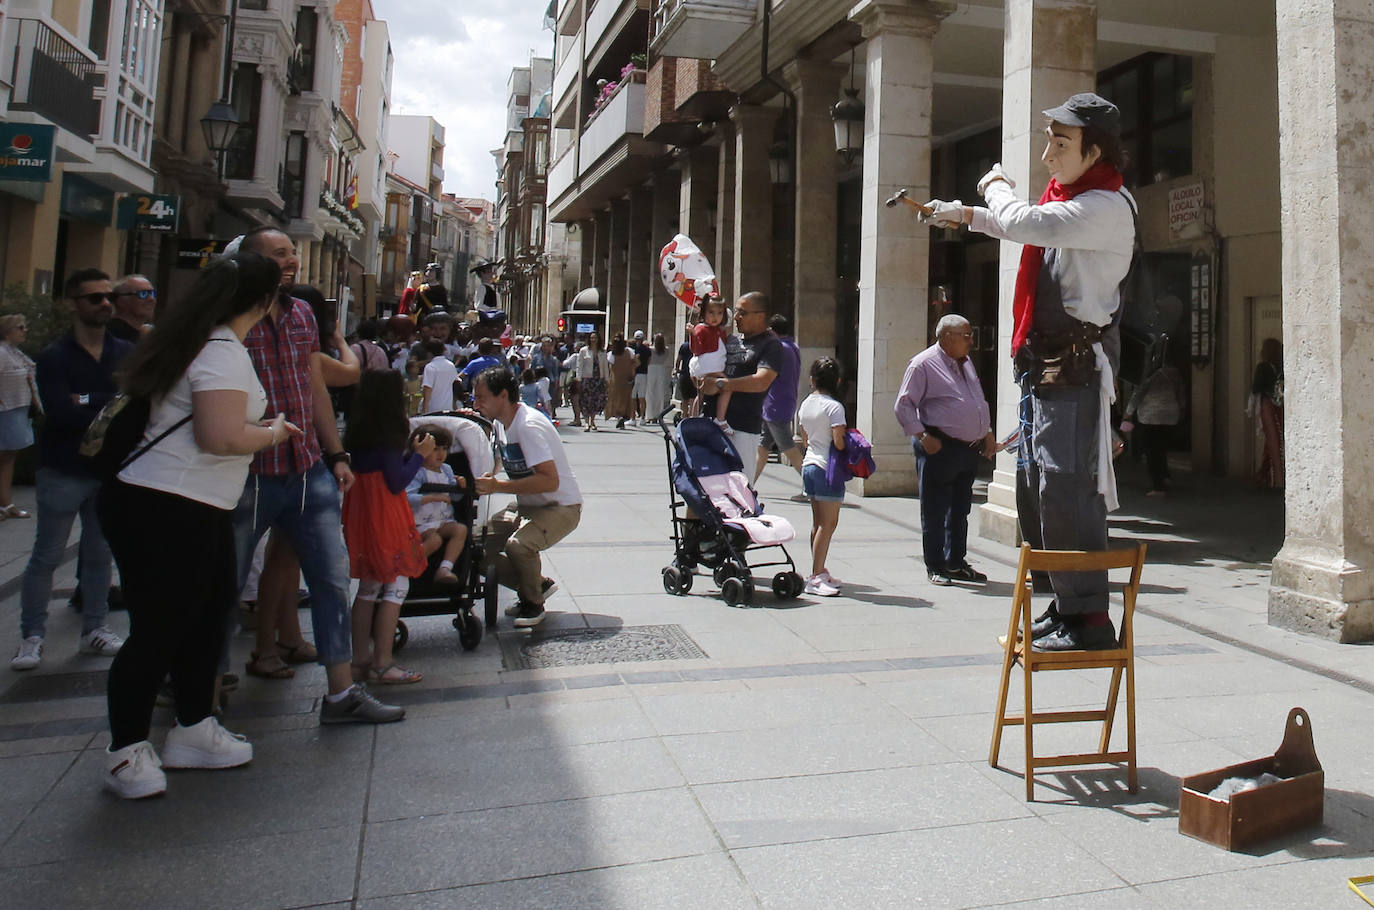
pixel 562 323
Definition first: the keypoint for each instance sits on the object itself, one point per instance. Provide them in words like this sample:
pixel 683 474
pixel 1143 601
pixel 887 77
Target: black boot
pixel 1075 635
pixel 1047 622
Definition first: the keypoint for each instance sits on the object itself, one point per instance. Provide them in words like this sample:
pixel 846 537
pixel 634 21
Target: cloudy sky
pixel 453 58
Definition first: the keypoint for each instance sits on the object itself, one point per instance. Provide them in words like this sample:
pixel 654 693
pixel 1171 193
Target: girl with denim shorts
pixel 822 423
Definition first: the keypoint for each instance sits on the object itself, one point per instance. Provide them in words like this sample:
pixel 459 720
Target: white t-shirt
pixel 817 414
pixel 439 376
pixel 430 515
pixel 531 440
pixel 176 464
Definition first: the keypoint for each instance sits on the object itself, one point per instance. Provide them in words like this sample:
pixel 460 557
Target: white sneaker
pixel 830 579
pixel 819 587
pixel 102 642
pixel 29 655
pixel 205 745
pixel 134 771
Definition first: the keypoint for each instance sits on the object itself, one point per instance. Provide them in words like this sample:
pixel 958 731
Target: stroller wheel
pixel 402 636
pixel 469 630
pixel 787 585
pixel 723 571
pixel 737 591
pixel 672 580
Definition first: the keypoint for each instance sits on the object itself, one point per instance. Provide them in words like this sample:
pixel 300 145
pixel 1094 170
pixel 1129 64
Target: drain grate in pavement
pixel 50 686
pixel 596 646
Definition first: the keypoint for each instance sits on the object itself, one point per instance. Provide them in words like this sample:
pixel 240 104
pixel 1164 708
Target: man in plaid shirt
pixel 296 487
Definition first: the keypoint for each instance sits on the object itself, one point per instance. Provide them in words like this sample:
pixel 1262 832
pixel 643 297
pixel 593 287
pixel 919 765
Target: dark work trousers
pixel 1061 489
pixel 946 491
pixel 1028 487
pixel 1155 438
pixel 176 559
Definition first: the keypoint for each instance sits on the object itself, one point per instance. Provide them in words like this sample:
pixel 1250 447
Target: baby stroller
pixel 470 456
pixel 717 518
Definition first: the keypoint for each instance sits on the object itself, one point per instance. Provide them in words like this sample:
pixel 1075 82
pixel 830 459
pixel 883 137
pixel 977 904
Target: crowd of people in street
pixel 236 392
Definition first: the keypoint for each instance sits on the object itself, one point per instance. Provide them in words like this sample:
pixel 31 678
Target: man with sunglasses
pixel 753 359
pixel 75 380
pixel 135 299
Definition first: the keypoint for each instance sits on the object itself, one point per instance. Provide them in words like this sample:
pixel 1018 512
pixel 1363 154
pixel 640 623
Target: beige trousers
pixel 516 537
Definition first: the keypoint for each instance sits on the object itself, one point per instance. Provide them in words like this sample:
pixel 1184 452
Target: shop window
pixel 1155 94
pixel 253 4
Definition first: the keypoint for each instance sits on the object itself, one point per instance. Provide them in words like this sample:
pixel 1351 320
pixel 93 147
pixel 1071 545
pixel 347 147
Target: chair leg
pixel 1028 725
pixel 1132 780
pixel 1008 661
pixel 1113 693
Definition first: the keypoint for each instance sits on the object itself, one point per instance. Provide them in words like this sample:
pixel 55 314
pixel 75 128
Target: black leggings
pixel 176 562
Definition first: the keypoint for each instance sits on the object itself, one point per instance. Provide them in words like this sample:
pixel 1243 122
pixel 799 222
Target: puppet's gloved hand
pixel 943 214
pixel 992 176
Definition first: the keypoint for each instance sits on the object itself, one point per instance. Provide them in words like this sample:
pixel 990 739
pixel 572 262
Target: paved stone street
pixel 822 754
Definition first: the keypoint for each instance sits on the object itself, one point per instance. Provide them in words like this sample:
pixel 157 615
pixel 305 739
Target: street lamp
pixel 780 162
pixel 848 114
pixel 219 125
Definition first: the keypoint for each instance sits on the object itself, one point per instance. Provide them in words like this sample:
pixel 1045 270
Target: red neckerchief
pixel 1100 176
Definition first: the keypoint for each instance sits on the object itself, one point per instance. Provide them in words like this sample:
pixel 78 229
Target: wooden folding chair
pixel 1119 660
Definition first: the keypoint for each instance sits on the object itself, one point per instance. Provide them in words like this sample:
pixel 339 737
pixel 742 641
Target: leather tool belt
pixel 1061 359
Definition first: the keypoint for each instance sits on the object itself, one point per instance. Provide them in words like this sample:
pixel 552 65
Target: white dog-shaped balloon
pixel 686 272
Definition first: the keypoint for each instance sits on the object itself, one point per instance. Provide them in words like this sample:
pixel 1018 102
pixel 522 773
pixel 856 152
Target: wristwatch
pixel 337 457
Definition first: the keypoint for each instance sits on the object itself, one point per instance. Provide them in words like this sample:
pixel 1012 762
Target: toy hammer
pixel 901 196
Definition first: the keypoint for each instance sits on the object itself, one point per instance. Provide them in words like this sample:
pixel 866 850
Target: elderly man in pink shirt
pixel 941 406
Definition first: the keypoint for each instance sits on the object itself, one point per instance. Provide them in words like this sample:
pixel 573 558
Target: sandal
pixel 303 653
pixel 13 511
pixel 404 677
pixel 268 666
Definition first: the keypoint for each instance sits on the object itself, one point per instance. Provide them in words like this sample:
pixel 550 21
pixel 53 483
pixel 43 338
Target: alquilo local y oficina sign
pixel 1186 204
pixel 26 151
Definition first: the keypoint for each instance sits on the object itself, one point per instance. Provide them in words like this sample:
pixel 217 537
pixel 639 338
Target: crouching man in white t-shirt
pixel 548 503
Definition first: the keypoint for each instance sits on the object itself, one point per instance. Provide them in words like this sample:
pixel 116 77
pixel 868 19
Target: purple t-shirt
pixel 781 401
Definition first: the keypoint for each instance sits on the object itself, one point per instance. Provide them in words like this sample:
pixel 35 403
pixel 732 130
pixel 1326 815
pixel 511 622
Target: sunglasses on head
pixel 141 295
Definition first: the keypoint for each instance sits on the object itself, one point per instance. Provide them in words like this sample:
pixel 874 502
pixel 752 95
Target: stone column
pixel 1048 53
pixel 895 253
pixel 724 258
pixel 700 174
pixel 601 254
pixel 642 262
pixel 817 87
pixel 1321 581
pixel 586 247
pixel 753 219
pixel 664 312
pixel 617 283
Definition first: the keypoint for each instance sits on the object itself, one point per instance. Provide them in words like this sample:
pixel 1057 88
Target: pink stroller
pixel 717 517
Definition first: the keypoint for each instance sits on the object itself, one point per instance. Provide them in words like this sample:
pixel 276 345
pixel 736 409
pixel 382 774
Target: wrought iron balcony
pixel 703 29
pixel 55 79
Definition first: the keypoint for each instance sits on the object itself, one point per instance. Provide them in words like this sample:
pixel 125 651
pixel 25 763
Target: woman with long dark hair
pixel 593 370
pixel 384 548
pixel 167 515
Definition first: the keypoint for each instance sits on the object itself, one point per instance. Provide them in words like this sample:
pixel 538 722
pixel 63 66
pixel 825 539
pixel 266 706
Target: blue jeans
pixel 61 498
pixel 305 508
pixel 946 489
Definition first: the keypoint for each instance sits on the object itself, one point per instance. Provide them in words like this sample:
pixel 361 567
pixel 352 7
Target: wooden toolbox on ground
pixel 1252 816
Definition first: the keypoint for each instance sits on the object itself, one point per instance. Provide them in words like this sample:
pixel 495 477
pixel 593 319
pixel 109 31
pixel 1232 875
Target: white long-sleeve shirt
pixel 1093 233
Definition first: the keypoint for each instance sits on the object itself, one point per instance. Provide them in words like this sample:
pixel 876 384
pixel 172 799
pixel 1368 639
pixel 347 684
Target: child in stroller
pixel 469 454
pixel 433 508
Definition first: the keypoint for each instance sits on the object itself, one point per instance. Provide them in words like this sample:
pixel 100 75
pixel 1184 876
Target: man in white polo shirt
pixel 548 503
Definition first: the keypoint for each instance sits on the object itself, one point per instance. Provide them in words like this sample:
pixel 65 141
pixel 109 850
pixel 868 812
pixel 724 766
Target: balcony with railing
pixel 703 29
pixel 622 114
pixel 55 79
